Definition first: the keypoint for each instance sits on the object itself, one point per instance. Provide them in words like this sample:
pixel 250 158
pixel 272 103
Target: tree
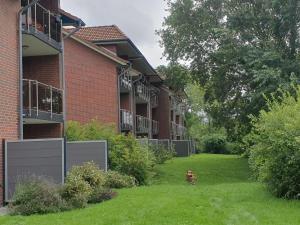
pixel 176 76
pixel 240 50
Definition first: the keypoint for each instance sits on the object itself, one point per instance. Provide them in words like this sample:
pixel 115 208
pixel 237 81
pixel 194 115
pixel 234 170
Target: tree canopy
pixel 238 50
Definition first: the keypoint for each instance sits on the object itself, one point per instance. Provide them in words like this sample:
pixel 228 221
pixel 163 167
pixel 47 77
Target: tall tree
pixel 240 50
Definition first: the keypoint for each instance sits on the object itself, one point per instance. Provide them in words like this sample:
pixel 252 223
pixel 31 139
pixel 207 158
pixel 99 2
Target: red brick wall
pixel 9 82
pixel 42 68
pixel 37 131
pixel 91 85
pixel 163 114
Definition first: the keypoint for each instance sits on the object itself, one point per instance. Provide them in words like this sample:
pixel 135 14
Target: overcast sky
pixel 137 18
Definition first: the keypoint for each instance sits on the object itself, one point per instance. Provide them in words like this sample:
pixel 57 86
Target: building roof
pixel 107 35
pixel 69 19
pixel 101 33
pixel 101 50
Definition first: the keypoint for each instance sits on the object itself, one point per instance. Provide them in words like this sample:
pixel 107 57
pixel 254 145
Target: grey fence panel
pixel 28 158
pixel 143 141
pixel 80 152
pixel 153 142
pixel 181 148
pixel 165 143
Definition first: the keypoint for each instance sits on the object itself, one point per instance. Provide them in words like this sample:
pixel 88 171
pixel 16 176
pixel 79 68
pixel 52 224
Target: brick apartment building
pixel 49 76
pixel 147 107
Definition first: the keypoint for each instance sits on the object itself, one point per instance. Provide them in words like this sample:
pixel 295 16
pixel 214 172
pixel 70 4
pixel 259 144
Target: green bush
pixel 215 143
pixel 275 147
pixel 128 157
pixel 114 179
pixel 94 130
pixel 36 196
pixel 161 153
pixel 76 191
pixel 100 194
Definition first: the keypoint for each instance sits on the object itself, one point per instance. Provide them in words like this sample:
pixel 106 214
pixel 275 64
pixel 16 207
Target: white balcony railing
pixel 155 127
pixel 142 91
pixel 178 130
pixel 126 82
pixel 154 101
pixel 126 119
pixel 142 125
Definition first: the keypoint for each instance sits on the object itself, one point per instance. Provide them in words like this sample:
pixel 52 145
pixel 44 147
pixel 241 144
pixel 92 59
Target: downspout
pixel 20 13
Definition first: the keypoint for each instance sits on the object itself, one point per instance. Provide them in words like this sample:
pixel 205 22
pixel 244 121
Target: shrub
pixel 275 147
pixel 161 153
pixel 114 179
pixel 81 182
pixel 36 196
pixel 90 173
pixel 101 194
pixel 128 157
pixel 94 130
pixel 215 143
pixel 76 191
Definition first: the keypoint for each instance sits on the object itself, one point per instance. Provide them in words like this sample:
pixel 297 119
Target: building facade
pixel 50 75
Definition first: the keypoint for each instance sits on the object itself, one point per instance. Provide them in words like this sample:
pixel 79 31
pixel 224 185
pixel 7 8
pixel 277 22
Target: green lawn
pixel 224 195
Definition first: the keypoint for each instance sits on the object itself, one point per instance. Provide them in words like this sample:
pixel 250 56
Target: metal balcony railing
pixel 173 128
pixel 142 125
pixel 155 127
pixel 178 130
pixel 126 119
pixel 42 101
pixel 154 101
pixel 126 82
pixel 38 19
pixel 142 91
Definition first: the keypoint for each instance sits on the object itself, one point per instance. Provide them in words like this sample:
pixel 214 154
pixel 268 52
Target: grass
pixel 224 194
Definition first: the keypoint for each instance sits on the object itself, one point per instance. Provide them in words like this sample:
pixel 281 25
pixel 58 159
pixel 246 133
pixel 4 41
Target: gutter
pixel 21 133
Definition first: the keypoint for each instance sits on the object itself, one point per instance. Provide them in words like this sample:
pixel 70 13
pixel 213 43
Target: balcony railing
pixel 142 125
pixel 42 101
pixel 154 101
pixel 126 119
pixel 142 91
pixel 155 127
pixel 177 130
pixel 126 82
pixel 38 19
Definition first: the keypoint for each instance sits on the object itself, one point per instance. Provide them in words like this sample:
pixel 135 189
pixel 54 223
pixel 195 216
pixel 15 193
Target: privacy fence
pixel 48 158
pixel 183 148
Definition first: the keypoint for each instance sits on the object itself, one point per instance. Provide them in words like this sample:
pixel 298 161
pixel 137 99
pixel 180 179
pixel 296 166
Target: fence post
pixel 2 186
pixel 65 157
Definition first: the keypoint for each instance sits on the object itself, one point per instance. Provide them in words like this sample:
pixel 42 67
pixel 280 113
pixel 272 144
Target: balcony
pixel 154 101
pixel 142 125
pixel 41 31
pixel 142 93
pixel 155 127
pixel 126 119
pixel 126 83
pixel 41 103
pixel 178 130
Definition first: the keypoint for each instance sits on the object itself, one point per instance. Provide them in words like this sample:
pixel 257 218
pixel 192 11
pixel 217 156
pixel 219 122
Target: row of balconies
pixel 142 123
pixel 142 92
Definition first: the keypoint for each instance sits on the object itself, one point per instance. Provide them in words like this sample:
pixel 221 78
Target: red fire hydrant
pixel 191 177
